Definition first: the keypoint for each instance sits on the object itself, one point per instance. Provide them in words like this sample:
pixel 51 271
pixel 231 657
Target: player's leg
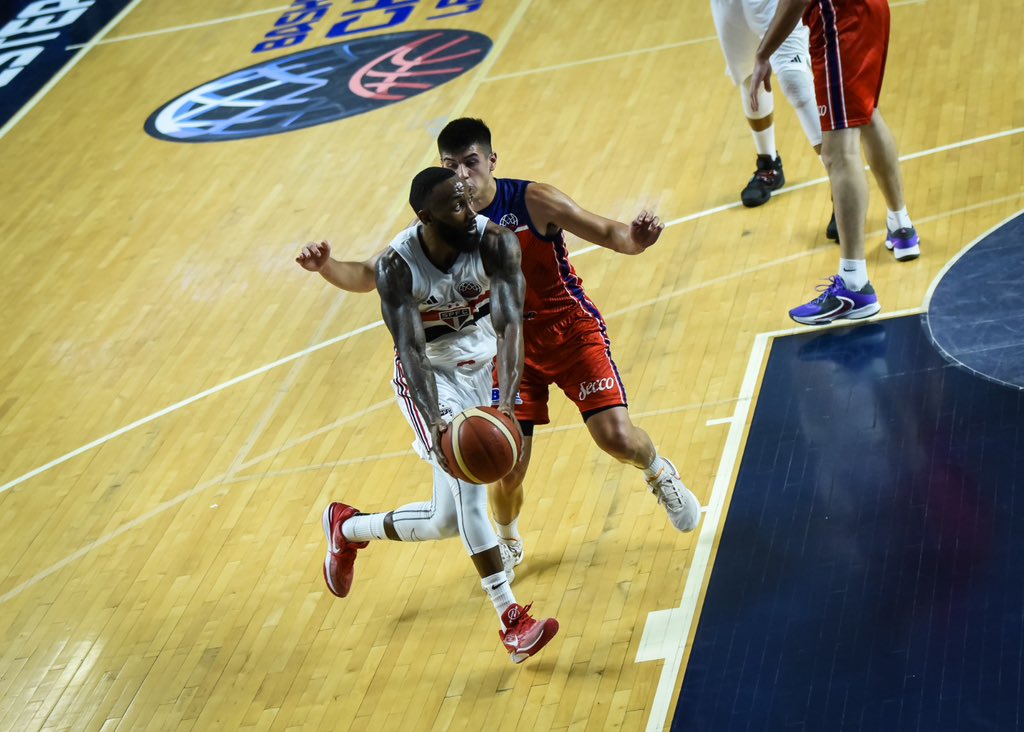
pixel 847 101
pixel 348 530
pixel 738 42
pixel 591 380
pixel 521 634
pixel 507 495
pixel 849 294
pixel 614 432
pixel 791 64
pixel 880 150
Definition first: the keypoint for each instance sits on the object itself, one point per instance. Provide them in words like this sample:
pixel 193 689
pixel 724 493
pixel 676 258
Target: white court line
pixel 598 59
pixel 667 631
pixel 456 109
pixel 818 181
pixel 94 41
pixel 175 29
pixel 185 402
pixel 723 420
pixel 238 379
pixel 637 52
pixel 810 252
pixel 181 498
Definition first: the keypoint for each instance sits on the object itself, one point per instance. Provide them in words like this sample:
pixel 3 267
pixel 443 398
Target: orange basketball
pixel 481 445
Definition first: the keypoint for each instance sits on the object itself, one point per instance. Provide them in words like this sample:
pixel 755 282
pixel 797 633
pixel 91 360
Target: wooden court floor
pixel 179 401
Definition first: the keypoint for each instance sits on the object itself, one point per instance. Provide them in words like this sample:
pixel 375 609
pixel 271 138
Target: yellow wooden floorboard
pixel 170 578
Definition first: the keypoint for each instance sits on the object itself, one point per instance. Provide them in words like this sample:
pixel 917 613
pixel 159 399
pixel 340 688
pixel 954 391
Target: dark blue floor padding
pixel 977 311
pixel 871 571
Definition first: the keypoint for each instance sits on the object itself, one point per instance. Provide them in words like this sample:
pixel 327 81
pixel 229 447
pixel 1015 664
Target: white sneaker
pixel 508 559
pixel 682 506
pixel 516 547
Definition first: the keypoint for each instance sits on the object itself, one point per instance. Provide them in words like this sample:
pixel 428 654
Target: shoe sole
pixel 865 312
pixel 545 638
pixel 904 255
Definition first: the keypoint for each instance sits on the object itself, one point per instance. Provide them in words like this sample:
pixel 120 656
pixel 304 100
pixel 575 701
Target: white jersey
pixel 455 306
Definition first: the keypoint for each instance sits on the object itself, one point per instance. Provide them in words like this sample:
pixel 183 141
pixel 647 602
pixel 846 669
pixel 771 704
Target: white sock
pixel 364 528
pixel 509 531
pixel 854 272
pixel 655 468
pixel 764 141
pixel 497 588
pixel 898 219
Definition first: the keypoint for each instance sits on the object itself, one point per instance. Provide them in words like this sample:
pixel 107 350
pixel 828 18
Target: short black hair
pixel 424 184
pixel 460 133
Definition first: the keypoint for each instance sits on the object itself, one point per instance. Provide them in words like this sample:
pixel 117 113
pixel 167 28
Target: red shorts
pixel 849 43
pixel 575 354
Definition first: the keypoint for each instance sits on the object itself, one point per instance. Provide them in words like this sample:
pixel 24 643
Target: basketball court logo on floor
pixel 318 85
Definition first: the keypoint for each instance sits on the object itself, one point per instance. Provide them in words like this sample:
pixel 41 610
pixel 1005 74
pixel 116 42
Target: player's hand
pixel 314 256
pixel 762 74
pixel 510 411
pixel 645 229
pixel 437 429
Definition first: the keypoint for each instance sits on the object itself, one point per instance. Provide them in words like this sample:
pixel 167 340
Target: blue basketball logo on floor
pixel 320 85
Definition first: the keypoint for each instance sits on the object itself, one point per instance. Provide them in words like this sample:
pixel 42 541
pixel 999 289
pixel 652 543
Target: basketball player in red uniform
pixel 849 41
pixel 565 337
pixel 564 334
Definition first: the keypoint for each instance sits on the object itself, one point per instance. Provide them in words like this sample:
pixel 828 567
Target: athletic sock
pixel 654 469
pixel 854 273
pixel 508 532
pixel 764 141
pixel 497 588
pixel 364 527
pixel 898 219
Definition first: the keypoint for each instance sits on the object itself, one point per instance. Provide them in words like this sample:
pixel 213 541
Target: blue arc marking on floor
pixel 976 315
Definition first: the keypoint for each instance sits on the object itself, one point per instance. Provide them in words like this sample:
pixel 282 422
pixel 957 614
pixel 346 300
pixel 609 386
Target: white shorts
pixel 741 24
pixel 457 389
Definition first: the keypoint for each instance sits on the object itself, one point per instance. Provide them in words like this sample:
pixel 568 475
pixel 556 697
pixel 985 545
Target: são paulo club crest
pixel 469 290
pixel 319 85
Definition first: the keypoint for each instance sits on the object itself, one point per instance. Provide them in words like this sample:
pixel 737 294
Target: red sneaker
pixel 525 636
pixel 341 553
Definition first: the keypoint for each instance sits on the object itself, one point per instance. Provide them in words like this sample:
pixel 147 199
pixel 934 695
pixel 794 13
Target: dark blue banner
pixel 34 40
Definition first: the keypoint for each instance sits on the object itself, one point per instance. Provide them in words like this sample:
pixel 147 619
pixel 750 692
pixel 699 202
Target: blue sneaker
pixel 836 302
pixel 905 244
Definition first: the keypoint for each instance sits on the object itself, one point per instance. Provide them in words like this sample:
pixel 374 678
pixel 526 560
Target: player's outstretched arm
pixel 502 262
pixel 552 210
pixel 401 316
pixel 349 275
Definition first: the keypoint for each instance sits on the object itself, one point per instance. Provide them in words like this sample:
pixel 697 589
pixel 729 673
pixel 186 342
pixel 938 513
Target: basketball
pixel 481 445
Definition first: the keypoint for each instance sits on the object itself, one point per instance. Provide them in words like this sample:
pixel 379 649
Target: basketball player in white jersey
pixel 451 294
pixel 740 25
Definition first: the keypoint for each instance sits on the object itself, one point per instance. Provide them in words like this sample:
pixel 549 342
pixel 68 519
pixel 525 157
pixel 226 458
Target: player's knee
pixel 765 101
pixel 446 523
pixel 797 84
pixel 618 439
pixel 512 482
